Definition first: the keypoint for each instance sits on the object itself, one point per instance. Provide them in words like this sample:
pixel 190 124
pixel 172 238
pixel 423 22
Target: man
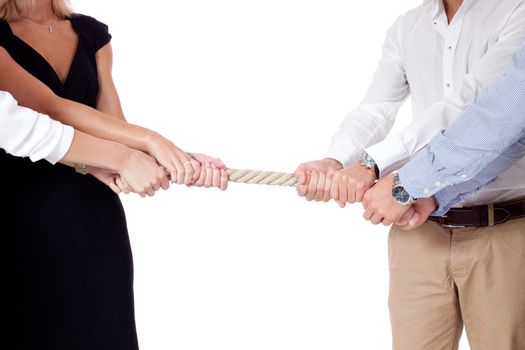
pixel 26 133
pixel 443 53
pixel 485 264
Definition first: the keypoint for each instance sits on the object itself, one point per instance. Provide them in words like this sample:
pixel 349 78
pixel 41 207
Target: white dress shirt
pixel 443 67
pixel 26 133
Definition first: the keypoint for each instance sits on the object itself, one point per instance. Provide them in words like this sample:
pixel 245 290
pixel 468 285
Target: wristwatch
pixel 399 193
pixel 369 163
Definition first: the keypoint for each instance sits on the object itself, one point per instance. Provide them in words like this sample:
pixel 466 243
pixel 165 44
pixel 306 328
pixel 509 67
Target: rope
pixel 261 177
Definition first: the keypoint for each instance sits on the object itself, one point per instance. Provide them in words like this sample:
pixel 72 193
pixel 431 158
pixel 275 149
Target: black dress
pixel 67 272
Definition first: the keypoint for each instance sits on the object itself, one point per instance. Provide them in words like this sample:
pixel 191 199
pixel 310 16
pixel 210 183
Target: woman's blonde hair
pixel 10 9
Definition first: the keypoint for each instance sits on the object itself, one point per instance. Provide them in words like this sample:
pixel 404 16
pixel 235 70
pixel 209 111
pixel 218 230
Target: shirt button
pixel 438 184
pixel 426 190
pixel 449 85
pixel 450 47
pixel 463 176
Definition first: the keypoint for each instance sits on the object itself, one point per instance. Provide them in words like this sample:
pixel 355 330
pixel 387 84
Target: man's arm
pixel 380 206
pixel 395 151
pixel 453 194
pixel 369 123
pixel 373 119
pixel 486 137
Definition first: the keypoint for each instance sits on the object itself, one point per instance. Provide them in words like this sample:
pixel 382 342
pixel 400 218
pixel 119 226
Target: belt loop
pixel 490 209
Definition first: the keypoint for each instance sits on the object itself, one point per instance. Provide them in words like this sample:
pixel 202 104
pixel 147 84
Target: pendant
pixel 51 29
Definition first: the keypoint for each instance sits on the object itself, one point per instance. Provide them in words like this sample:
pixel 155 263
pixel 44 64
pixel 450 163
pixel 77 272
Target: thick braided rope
pixel 261 177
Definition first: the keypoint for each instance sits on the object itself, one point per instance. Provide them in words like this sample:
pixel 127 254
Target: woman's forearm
pixel 95 123
pixel 139 172
pixel 96 152
pixel 32 93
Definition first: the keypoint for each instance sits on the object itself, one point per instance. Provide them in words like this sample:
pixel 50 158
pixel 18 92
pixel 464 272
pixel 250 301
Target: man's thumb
pixel 414 222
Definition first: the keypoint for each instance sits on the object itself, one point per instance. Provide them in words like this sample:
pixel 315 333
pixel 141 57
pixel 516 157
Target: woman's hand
pixel 183 169
pixel 212 172
pixel 137 172
pixel 107 178
pixel 141 174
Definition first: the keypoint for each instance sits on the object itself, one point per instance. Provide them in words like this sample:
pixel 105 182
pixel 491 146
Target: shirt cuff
pixel 64 141
pixel 342 157
pixel 389 155
pixel 420 178
pixel 446 198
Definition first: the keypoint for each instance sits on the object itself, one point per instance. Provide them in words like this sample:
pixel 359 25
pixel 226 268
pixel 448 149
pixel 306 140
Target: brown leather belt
pixel 481 216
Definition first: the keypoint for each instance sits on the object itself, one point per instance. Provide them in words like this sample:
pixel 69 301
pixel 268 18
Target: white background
pixel 262 85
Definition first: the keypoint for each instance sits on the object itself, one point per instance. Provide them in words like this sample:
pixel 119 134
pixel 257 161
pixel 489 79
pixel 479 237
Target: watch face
pixel 400 195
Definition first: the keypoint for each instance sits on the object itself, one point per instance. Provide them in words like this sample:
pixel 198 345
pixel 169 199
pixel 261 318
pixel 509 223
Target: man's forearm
pixel 453 194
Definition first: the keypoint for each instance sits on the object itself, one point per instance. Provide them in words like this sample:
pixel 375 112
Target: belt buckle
pixel 453 226
pixel 449 225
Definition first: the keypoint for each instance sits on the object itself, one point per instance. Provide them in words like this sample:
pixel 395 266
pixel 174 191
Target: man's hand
pixel 422 210
pixel 351 183
pixel 314 179
pixel 381 207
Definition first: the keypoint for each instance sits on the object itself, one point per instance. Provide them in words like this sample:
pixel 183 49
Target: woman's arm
pixel 207 171
pixel 108 100
pixel 32 93
pixel 141 172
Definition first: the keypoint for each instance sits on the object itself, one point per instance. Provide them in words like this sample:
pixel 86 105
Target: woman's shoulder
pixel 5 32
pixel 88 22
pixel 4 27
pixel 91 28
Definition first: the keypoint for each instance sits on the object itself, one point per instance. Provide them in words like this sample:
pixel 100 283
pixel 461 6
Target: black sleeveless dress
pixel 67 273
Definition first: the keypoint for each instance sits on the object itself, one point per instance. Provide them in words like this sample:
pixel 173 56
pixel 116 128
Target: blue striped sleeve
pixel 487 129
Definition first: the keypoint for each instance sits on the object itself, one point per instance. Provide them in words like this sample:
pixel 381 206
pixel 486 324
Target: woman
pixel 69 271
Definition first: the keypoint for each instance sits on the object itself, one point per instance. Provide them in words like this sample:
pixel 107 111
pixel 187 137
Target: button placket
pixel 449 48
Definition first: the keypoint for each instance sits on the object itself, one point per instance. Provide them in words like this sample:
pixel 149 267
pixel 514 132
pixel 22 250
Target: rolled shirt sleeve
pixel 26 133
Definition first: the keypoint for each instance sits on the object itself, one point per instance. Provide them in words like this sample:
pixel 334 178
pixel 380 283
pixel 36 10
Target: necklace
pixel 48 27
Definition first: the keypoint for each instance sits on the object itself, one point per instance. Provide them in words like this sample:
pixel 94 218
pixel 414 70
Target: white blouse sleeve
pixel 26 133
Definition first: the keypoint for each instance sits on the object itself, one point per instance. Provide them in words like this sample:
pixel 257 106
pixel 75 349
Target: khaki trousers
pixel 442 279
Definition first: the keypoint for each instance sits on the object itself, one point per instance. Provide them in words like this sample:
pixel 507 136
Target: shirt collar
pixel 438 8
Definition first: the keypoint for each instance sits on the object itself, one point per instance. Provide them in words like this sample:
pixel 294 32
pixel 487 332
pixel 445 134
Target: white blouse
pixel 26 133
